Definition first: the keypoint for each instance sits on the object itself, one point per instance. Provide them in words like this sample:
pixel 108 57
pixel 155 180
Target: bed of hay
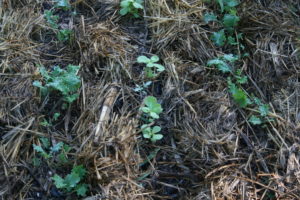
pixel 209 150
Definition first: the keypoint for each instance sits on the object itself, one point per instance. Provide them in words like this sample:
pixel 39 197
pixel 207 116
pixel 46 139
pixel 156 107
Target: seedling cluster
pixel 225 63
pixel 62 34
pixel 152 67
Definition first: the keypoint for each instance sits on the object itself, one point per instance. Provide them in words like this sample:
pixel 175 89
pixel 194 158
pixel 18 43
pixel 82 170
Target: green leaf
pixel 124 11
pixel 156 129
pixel 125 3
pixel 231 40
pixel 143 59
pixel 64 4
pixel 45 142
pixel 56 116
pixel 255 120
pixel 40 150
pixel 220 64
pixel 208 17
pixel 146 135
pixel 221 3
pixel 36 162
pixel 230 21
pixel 231 3
pixel 154 115
pixel 57 147
pixel 59 182
pixel 242 79
pixel 263 110
pixel 137 5
pixel 159 67
pixel 154 58
pixel 156 137
pixel 240 98
pixel 219 38
pixel 80 170
pixel 230 57
pixel 81 190
pixel 72 180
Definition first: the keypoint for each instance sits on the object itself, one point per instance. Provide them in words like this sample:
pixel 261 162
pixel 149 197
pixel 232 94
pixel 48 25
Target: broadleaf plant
pixel 152 108
pixel 67 82
pixel 132 7
pixel 151 133
pixel 151 65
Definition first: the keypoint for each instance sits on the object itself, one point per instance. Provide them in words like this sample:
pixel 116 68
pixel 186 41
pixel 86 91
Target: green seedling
pixel 49 123
pixel 151 133
pixel 227 5
pixel 63 4
pixel 152 108
pixel 64 81
pixel 219 38
pixel 151 65
pixel 132 7
pixel 239 96
pixel 71 183
pixel 51 19
pixel 239 77
pixel 210 17
pixel 223 63
pixel 64 35
pixel 142 88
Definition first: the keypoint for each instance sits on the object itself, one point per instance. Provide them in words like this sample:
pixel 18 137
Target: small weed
pixel 152 108
pixel 64 35
pixel 51 19
pixel 151 65
pixel 132 7
pixel 65 81
pixel 239 96
pixel 71 183
pixel 151 133
pixel 223 63
pixel 142 88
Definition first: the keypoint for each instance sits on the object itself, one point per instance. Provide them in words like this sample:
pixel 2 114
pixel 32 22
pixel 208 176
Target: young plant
pixel 64 81
pixel 263 112
pixel 71 183
pixel 142 88
pixel 151 133
pixel 132 7
pixel 239 96
pixel 151 65
pixel 47 151
pixel 152 108
pixel 51 19
pixel 223 62
pixel 227 5
pixel 64 35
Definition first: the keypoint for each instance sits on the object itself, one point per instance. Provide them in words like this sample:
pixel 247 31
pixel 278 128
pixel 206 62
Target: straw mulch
pixel 209 150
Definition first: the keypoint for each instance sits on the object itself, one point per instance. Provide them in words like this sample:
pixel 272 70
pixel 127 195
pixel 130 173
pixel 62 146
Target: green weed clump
pixel 131 7
pixel 66 82
pixel 152 67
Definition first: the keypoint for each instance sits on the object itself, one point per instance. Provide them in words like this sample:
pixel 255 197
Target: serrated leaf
pixel 230 21
pixel 40 150
pixel 59 182
pixel 255 120
pixel 263 110
pixel 72 180
pixel 81 190
pixel 57 147
pixel 219 38
pixel 230 57
pixel 208 17
pixel 220 64
pixel 80 170
pixel 45 142
pixel 240 98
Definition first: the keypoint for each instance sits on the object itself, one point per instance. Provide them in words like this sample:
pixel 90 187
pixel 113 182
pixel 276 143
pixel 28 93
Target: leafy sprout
pixel 151 65
pixel 151 133
pixel 152 108
pixel 64 81
pixel 132 7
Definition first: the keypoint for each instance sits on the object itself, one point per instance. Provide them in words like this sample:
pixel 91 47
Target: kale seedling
pixel 65 81
pixel 72 181
pixel 222 62
pixel 51 19
pixel 152 108
pixel 151 65
pixel 239 95
pixel 64 35
pixel 132 7
pixel 63 4
pixel 151 133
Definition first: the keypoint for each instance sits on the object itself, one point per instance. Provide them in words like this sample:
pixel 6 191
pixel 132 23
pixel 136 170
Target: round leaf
pixel 143 59
pixel 154 58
